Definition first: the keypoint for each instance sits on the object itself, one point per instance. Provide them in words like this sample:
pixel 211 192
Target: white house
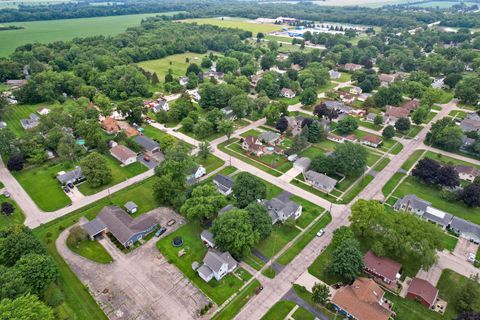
pixel 467 173
pixel 197 173
pixel 216 265
pixel 320 181
pixel 183 81
pixel 123 154
pixel 355 90
pixel 334 75
pixel 207 238
pixel 160 105
pixel 288 93
pixel 224 184
pixel 43 111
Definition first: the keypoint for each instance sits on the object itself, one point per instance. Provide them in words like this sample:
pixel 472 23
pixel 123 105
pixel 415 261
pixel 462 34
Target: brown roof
pixel 351 66
pixel 397 112
pixel 110 125
pixel 122 153
pixel 468 170
pixel 372 139
pixel 350 137
pixel 361 299
pixel 423 289
pixel 131 132
pixel 410 105
pixel 381 265
pixel 386 78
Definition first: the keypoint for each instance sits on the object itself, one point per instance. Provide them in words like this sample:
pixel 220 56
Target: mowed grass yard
pixel 14 113
pixel 239 23
pixel 17 217
pixel 61 30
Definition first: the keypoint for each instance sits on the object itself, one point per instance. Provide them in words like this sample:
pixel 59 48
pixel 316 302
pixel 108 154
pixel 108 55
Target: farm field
pixel 239 23
pixel 58 30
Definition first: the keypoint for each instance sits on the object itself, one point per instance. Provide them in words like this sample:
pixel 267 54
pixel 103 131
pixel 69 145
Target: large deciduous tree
pixel 38 270
pixel 27 307
pixel 350 158
pixel 427 170
pixel 347 125
pixel 347 260
pixel 204 204
pixel 247 188
pixel 95 169
pixel 260 219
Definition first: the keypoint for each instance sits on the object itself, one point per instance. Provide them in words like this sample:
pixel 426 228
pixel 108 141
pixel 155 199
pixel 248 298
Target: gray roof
pixel 224 183
pixel 333 104
pixel 146 143
pixel 413 202
pixel 130 205
pixel 122 225
pixel 205 271
pixel 227 208
pixel 470 125
pixel 437 216
pixel 281 207
pixel 320 178
pixel 268 136
pixel 466 141
pixel 214 260
pixel 207 235
pixel 70 176
pixel 303 162
pixel 465 227
pixel 94 227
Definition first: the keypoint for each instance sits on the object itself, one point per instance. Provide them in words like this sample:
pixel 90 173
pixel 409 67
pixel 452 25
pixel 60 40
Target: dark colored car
pixel 160 232
pixel 70 185
pixel 66 189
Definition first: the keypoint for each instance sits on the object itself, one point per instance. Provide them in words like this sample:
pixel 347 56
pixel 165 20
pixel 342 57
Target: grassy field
pixel 14 113
pixel 57 30
pixel 119 174
pixel 17 217
pixel 239 23
pixel 176 62
pixel 42 186
pixel 195 251
pixel 234 306
pixel 89 249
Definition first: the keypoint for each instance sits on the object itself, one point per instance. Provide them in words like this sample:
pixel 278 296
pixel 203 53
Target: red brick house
pixel 382 268
pixel 423 292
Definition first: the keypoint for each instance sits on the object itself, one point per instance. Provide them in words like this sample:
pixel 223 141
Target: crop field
pixel 57 30
pixel 239 23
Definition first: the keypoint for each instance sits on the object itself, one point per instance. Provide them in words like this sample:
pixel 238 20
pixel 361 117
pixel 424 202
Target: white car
pixel 471 257
pixel 320 233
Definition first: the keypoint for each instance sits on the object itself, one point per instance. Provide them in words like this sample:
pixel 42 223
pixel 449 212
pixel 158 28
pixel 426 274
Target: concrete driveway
pixel 140 285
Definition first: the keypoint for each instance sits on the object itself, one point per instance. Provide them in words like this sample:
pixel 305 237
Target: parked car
pixel 293 157
pixel 66 189
pixel 70 185
pixel 471 257
pixel 320 233
pixel 146 158
pixel 171 222
pixel 160 231
pixel 6 194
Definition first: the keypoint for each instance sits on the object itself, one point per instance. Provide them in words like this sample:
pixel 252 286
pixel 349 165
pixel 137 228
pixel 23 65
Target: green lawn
pixel 315 191
pixel 382 164
pixel 319 267
pixel 14 113
pixel 430 193
pixel 195 251
pixel 279 311
pixel 57 30
pixel 305 239
pixel 309 211
pixel 280 236
pixel 17 217
pixel 448 160
pixel 344 77
pixel 234 306
pixel 411 310
pixel 239 23
pixel 353 192
pixel 157 134
pixel 211 163
pixel 370 125
pixel 392 183
pixel 254 262
pixel 449 281
pixel 407 165
pixel 42 186
pixel 119 174
pixel 458 114
pixel 307 296
pixel 89 249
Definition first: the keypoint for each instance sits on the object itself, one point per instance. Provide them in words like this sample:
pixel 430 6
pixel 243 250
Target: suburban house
pixel 255 78
pixel 352 66
pixel 123 154
pixel 131 207
pixel 197 172
pixel 207 238
pixel 371 118
pixel 302 164
pixel 15 84
pixel 227 208
pixel 287 93
pixel 194 95
pixel 348 97
pixel 110 125
pixel 362 300
pixel 350 138
pixel 423 209
pixel 213 74
pixel 364 96
pixel 382 268
pixel 438 83
pixel 386 79
pixel 320 181
pixel 224 184
pixel 43 111
pixel 372 141
pixel 72 176
pixel 295 124
pixel 252 145
pixel 355 90
pixel 270 137
pixel 335 138
pixel 334 75
pixel 183 81
pixel 468 173
pixel 121 225
pixel 148 145
pixel 470 124
pixel 395 113
pixel 281 208
pixel 228 113
pixel 410 105
pixel 31 122
pixel 338 106
pixel 423 292
pixel 216 265
pixel 160 105
pixel 465 229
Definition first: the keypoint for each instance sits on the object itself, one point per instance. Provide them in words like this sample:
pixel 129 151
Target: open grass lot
pixel 14 113
pixel 319 267
pixel 280 236
pixel 353 192
pixel 392 183
pixel 449 281
pixel 279 311
pixel 448 160
pixel 211 163
pixel 79 304
pixel 89 249
pixel 195 251
pixel 309 211
pixel 42 186
pixel 17 217
pixel 239 23
pixel 298 246
pixel 430 193
pixel 411 310
pixel 57 30
pixel 156 134
pixel 119 174
pixel 176 62
pixel 234 306
pixel 407 165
